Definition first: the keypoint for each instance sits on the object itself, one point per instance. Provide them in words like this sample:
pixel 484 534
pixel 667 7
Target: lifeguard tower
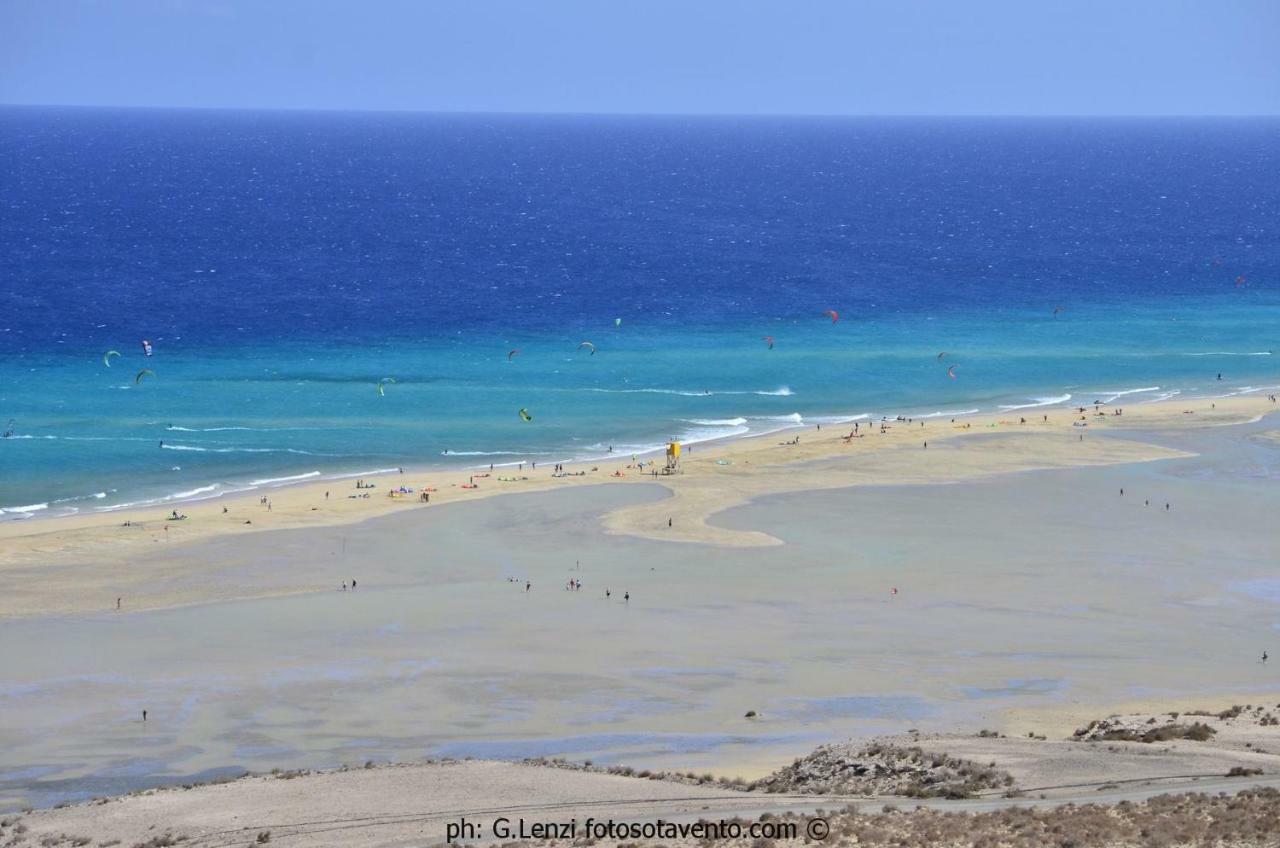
pixel 673 458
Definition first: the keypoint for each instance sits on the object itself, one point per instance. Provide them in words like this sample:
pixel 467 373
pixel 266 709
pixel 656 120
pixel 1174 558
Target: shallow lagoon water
pixel 439 652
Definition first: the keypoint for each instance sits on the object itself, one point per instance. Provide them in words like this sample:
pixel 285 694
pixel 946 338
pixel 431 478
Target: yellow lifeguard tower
pixel 673 458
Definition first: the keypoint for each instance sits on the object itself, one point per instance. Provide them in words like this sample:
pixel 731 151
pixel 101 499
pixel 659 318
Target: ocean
pixel 285 266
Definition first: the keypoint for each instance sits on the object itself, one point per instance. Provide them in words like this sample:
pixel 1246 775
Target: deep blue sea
pixel 283 264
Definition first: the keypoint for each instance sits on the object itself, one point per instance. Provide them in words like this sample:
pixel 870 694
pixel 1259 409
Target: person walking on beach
pixel 528 585
pixel 117 603
pixel 668 522
pixel 1264 657
pixel 144 715
pixel 626 597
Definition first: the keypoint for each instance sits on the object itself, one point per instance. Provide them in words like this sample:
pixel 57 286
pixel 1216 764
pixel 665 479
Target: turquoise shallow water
pixel 283 264
pixel 88 437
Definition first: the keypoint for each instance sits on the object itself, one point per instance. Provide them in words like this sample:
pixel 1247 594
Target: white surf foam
pixel 1246 390
pixel 346 475
pixel 708 434
pixel 192 493
pixel 838 419
pixel 651 392
pixel 494 453
pixel 946 413
pixel 95 496
pixel 1112 395
pixel 27 510
pixel 199 449
pixel 1041 401
pixel 272 481
pixel 781 391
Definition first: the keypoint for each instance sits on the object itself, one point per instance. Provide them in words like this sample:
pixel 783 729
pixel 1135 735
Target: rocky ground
pixel 880 768
pixel 1196 725
pixel 1248 819
pixel 885 769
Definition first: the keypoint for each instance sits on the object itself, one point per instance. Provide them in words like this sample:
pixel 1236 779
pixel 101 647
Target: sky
pixel 819 57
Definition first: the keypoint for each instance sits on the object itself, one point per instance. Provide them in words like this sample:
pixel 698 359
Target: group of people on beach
pixel 573 585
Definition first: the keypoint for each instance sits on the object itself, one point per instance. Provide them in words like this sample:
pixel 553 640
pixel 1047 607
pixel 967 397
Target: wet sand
pixel 1016 591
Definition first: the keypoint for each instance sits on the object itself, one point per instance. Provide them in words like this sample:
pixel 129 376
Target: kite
pixel 382 383
pixel 944 353
pixel 146 347
pixel 951 372
pixel 769 340
pixel 145 372
pixel 1058 309
pixel 1240 281
pixel 524 415
pixel 617 322
pixel 835 316
pixel 587 344
pixel 512 353
pixel 106 357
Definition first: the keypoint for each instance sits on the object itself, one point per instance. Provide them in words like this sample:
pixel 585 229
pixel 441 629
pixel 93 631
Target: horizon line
pixel 625 114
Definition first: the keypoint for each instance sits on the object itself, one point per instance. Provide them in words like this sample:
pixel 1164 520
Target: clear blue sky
pixel 1023 57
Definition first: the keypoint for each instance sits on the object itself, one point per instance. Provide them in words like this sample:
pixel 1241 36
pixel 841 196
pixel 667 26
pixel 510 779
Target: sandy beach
pixel 836 588
pixel 75 563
